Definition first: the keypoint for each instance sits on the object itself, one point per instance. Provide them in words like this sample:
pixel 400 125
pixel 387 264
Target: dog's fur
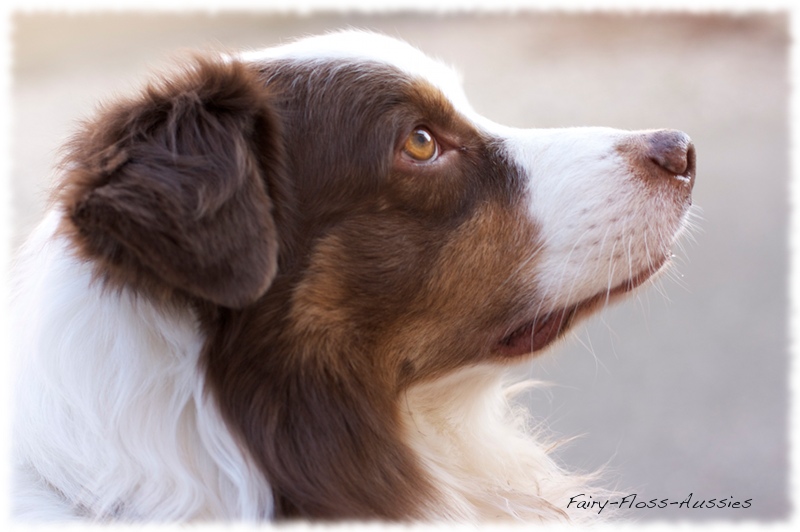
pixel 252 301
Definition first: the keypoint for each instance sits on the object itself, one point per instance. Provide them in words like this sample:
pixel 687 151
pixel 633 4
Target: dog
pixel 293 283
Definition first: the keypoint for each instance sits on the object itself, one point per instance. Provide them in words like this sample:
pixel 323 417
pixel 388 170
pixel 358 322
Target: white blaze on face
pixel 365 46
pixel 600 221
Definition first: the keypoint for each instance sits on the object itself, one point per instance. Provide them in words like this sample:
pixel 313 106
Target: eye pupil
pixel 421 137
pixel 420 145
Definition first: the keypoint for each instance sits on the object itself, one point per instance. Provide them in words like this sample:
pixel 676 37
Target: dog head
pixel 346 227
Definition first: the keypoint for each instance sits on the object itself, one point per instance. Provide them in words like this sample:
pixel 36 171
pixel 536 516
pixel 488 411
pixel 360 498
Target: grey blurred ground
pixel 680 390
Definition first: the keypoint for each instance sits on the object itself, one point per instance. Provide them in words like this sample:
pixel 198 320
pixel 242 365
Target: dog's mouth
pixel 536 334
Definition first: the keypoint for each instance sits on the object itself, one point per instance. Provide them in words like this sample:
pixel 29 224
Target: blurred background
pixel 679 390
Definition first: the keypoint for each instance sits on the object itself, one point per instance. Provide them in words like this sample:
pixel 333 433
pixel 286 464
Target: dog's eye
pixel 420 145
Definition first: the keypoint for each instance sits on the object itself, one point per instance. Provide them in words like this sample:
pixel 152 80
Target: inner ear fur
pixel 171 189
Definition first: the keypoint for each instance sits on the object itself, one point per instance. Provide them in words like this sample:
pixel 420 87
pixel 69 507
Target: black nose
pixel 672 150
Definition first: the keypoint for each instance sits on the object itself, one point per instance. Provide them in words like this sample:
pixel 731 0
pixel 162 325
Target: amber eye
pixel 420 145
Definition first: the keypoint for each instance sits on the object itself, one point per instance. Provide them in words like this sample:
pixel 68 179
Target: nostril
pixel 690 160
pixel 671 150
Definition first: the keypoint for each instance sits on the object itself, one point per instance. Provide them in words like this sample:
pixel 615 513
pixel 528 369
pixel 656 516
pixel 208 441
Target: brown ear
pixel 170 190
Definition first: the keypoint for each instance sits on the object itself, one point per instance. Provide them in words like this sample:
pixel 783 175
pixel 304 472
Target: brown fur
pixel 330 273
pixel 171 191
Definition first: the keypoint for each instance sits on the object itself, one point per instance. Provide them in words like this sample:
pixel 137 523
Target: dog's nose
pixel 671 150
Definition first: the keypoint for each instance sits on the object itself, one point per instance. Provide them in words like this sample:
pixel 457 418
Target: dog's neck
pixel 319 418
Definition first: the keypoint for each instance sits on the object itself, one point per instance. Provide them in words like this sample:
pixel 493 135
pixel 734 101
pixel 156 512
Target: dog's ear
pixel 172 189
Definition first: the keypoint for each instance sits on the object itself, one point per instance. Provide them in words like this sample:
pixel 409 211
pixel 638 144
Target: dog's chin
pixel 533 335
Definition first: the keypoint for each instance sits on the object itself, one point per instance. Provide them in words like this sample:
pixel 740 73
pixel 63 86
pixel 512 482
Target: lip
pixel 535 334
